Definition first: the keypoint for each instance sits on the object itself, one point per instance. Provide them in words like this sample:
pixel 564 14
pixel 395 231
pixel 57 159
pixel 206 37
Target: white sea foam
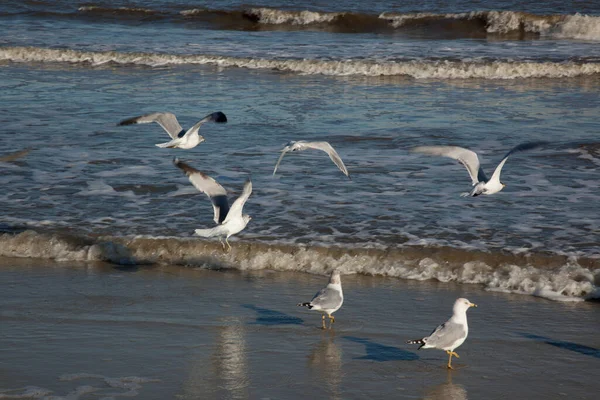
pixel 122 9
pixel 278 17
pixel 567 281
pixel 503 22
pixel 417 69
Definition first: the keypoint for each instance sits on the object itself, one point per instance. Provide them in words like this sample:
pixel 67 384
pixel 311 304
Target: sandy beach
pixel 87 331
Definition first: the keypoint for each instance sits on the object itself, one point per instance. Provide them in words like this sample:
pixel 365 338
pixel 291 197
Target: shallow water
pixel 83 331
pixel 451 73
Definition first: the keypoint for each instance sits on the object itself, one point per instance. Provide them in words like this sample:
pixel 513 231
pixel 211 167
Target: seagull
pixel 329 299
pixel 229 220
pixel 303 145
pixel 182 139
pixel 451 334
pixel 468 158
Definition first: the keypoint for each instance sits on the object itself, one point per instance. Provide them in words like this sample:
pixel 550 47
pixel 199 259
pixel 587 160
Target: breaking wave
pixel 468 24
pixel 507 22
pixel 418 69
pixel 550 276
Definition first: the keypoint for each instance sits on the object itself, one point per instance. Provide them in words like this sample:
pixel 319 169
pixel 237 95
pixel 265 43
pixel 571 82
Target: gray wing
pixel 327 148
pixel 207 185
pixel 279 160
pixel 521 147
pixel 167 120
pixel 326 298
pixel 446 335
pixel 464 156
pixel 217 117
pixel 238 205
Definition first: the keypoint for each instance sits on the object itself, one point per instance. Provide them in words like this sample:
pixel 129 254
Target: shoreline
pixel 559 278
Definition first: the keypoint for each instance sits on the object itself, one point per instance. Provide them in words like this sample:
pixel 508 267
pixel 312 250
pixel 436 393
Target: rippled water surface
pixel 375 80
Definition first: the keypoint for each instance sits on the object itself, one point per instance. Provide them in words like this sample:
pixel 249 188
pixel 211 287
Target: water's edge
pixel 553 277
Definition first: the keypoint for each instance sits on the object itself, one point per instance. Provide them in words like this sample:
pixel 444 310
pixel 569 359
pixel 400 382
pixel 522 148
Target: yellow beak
pixel 472 304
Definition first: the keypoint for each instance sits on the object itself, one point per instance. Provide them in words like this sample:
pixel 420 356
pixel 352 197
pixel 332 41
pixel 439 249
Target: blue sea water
pixel 375 79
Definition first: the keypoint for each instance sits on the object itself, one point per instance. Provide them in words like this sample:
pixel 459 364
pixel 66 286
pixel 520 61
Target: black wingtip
pixel 128 121
pixel 219 117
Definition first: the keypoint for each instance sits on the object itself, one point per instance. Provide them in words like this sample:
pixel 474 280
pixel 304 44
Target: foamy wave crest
pixel 100 9
pixel 277 17
pixel 553 277
pixel 505 22
pixel 444 69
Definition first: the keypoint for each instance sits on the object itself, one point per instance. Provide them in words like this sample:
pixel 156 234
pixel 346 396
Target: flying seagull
pixel 451 334
pixel 329 299
pixel 468 158
pixel 303 145
pixel 181 138
pixel 229 220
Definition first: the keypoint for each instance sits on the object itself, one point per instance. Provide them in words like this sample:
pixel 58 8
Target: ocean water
pixel 375 79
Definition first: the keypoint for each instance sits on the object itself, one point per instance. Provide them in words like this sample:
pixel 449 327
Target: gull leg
pixel 227 241
pixel 450 354
pixel 331 320
pixel 222 244
pixel 323 321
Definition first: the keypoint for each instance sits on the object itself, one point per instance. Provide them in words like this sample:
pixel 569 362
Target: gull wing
pixel 326 298
pixel 238 205
pixel 217 117
pixel 446 335
pixel 521 147
pixel 167 120
pixel 464 156
pixel 327 148
pixel 285 150
pixel 207 185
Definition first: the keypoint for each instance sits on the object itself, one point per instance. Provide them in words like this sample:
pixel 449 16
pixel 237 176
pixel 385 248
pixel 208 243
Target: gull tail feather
pixel 305 305
pixel 167 145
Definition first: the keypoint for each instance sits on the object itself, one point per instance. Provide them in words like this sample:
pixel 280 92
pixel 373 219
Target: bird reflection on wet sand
pixel 325 362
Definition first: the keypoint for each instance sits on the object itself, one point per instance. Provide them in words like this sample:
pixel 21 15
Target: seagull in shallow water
pixel 229 220
pixel 329 299
pixel 182 139
pixel 468 158
pixel 303 145
pixel 451 334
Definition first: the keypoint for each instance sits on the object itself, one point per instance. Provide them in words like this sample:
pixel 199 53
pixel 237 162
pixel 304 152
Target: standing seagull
pixel 451 334
pixel 324 146
pixel 329 299
pixel 182 139
pixel 229 220
pixel 468 158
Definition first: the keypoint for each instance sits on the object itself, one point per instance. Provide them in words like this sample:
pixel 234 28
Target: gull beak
pixel 472 305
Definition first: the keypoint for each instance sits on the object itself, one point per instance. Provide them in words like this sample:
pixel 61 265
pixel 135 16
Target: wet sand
pixel 89 331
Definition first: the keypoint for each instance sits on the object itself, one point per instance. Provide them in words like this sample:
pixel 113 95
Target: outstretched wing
pixel 327 148
pixel 521 147
pixel 279 160
pixel 464 156
pixel 167 120
pixel 217 117
pixel 238 205
pixel 207 185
